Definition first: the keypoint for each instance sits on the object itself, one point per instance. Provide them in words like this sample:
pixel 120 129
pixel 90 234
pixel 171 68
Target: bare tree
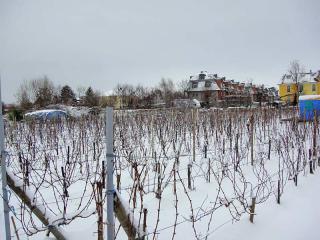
pixel 81 91
pixel 296 70
pixel 183 85
pixel 167 88
pixel 23 96
pixel 39 92
pixel 129 95
pixel 43 90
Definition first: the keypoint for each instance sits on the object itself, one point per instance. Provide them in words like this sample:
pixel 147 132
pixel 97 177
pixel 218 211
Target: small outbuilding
pixel 309 105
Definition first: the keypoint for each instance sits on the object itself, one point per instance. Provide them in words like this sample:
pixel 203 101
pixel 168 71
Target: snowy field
pixel 187 174
pixel 295 218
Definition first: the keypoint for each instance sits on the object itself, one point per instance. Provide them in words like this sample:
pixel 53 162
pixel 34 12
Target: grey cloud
pixel 102 43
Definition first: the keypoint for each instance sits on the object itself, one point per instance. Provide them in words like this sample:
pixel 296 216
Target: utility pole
pixel 109 183
pixel 4 204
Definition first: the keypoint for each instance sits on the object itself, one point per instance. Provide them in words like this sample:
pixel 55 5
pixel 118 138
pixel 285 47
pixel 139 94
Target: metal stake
pixel 4 207
pixel 109 183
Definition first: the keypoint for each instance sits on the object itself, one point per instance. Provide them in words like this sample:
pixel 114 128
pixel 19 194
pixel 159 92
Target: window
pixel 194 85
pixel 202 76
pixel 313 87
pixel 288 88
pixel 207 84
pixel 301 88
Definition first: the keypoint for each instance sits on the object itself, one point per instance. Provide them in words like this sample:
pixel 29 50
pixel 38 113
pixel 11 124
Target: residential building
pixel 212 90
pixel 206 87
pixel 310 84
pixel 288 90
pixel 307 83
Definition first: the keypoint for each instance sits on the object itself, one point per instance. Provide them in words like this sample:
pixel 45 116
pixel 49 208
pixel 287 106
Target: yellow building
pixel 308 84
pixel 310 88
pixel 288 92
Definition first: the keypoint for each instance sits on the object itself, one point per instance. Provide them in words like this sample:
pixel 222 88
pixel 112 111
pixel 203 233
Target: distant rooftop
pixel 204 75
pixel 303 77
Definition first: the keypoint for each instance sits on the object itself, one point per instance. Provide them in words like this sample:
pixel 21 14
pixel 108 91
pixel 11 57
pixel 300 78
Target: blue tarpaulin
pixel 308 106
pixel 47 114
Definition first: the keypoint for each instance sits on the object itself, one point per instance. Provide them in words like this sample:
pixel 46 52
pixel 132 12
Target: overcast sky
pixel 102 43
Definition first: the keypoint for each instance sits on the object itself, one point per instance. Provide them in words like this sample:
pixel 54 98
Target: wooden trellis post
pixel 252 209
pixel 35 209
pixel 194 125
pixel 189 176
pixel 314 150
pixel 251 138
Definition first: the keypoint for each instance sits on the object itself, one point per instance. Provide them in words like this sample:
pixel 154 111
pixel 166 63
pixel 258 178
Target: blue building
pixel 309 105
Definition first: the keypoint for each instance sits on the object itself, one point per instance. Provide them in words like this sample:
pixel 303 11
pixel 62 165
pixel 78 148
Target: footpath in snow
pixel 296 218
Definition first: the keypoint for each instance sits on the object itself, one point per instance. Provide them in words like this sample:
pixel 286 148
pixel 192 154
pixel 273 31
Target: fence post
pixel 118 181
pixel 4 204
pixel 158 192
pixel 311 167
pixel 152 133
pixel 189 176
pixel 144 228
pixel 269 149
pixel 279 192
pixel 252 209
pixel 110 187
pixel 295 178
pixel 314 150
pixel 15 228
pixel 209 172
pixel 174 178
pixel 251 138
pixel 193 135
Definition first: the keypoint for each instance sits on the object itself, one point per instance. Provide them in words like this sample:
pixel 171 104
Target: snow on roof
pixel 47 114
pixel 208 76
pixel 302 77
pixel 43 111
pixel 309 97
pixel 201 86
pixel 308 78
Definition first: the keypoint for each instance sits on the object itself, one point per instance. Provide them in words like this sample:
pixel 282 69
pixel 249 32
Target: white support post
pixel 4 204
pixel 110 187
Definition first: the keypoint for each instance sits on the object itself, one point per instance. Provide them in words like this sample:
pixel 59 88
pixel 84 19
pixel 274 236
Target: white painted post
pixel 4 204
pixel 109 182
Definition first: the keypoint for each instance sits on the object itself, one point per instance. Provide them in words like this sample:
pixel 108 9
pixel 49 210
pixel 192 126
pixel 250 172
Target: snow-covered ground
pixel 296 218
pixel 155 152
